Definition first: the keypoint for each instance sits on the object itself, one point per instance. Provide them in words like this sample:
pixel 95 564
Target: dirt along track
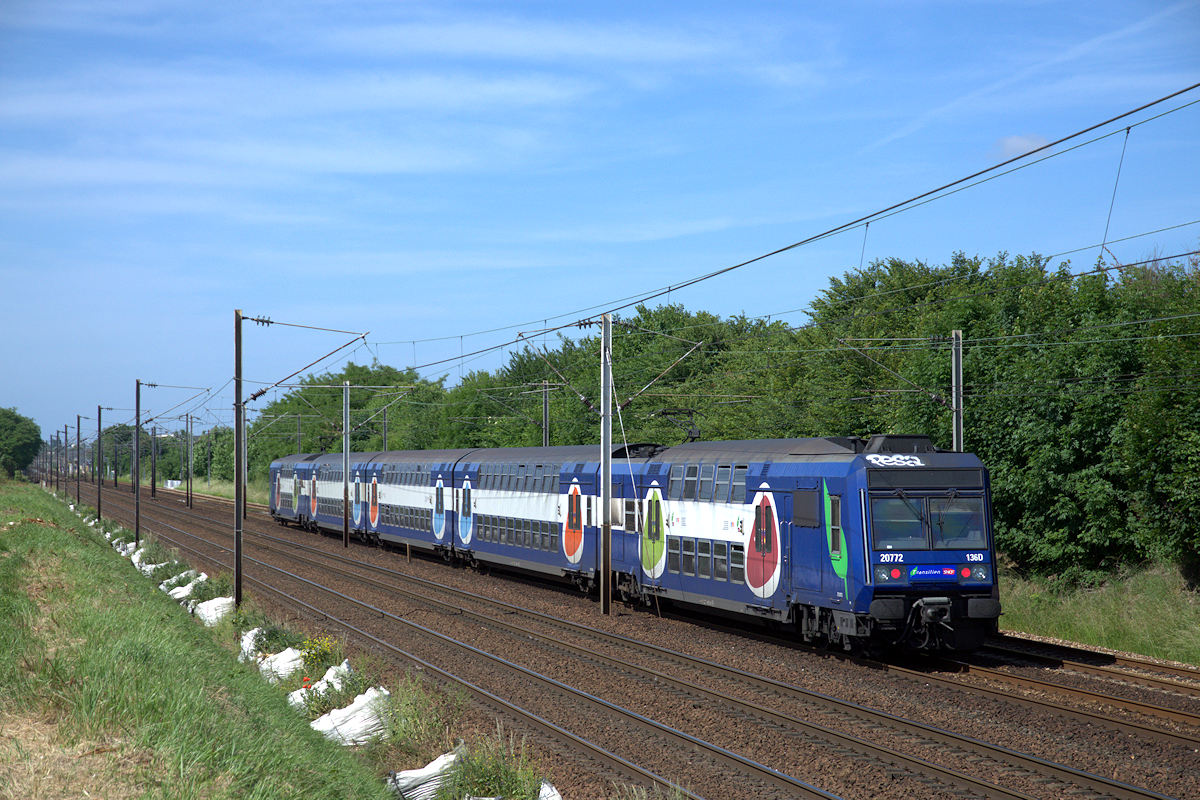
pixel 721 716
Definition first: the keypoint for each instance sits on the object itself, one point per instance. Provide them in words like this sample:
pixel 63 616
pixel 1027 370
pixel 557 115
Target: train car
pixel 854 542
pixel 289 486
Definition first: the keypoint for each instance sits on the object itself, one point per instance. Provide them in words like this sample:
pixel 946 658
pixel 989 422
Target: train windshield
pixel 953 522
pixel 898 524
pixel 957 523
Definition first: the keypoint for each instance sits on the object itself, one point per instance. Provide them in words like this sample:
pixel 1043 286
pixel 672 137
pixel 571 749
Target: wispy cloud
pixel 965 102
pixel 527 40
pixel 1012 146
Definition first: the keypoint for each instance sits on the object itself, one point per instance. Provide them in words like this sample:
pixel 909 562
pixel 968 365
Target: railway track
pixel 1013 766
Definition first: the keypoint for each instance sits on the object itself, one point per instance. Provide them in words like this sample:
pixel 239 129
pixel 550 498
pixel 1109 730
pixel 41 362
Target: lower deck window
pixel 689 556
pixel 720 559
pixel 704 558
pixel 737 563
pixel 673 554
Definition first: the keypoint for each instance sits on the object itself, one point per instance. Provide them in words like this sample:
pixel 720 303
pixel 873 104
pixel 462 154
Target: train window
pixel 689 556
pixel 538 472
pixel 835 525
pixel 550 482
pixel 806 508
pixel 589 510
pixel 706 482
pixel 544 535
pixel 522 478
pixel 510 478
pixel 673 554
pixel 527 537
pixel 704 558
pixel 721 490
pixel 554 539
pixel 737 563
pixel 957 523
pixel 739 485
pixel 689 482
pixel 631 515
pixel 676 487
pixel 898 523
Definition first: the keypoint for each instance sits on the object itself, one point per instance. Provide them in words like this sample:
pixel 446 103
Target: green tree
pixel 20 440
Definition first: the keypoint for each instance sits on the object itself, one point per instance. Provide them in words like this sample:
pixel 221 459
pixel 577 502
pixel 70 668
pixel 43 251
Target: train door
pixel 764 550
pixel 805 533
pixel 577 519
pixel 463 514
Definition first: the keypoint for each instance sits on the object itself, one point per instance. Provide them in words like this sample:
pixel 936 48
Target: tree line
pixel 1080 394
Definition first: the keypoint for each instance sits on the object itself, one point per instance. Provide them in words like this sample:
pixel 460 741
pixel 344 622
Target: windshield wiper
pixel 916 512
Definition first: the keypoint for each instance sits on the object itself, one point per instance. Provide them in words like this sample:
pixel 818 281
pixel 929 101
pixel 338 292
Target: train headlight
pixel 889 573
pixel 974 573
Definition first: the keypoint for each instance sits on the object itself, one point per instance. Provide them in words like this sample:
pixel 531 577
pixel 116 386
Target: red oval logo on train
pixel 763 548
pixel 573 525
pixel 374 504
pixel 312 495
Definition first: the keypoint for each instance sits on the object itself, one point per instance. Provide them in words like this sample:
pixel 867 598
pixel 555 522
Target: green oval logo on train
pixel 654 534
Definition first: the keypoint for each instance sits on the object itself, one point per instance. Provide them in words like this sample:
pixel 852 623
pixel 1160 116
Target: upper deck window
pixel 957 523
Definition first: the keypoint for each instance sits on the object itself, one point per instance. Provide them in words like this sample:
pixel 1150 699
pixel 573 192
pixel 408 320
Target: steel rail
pixel 1008 645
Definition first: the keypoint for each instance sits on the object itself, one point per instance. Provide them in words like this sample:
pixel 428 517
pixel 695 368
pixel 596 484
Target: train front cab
pixel 931 561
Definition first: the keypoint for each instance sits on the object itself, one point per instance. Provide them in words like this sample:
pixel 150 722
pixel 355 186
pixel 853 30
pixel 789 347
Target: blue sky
pixel 423 170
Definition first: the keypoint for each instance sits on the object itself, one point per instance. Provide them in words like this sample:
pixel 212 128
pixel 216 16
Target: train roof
pixel 829 448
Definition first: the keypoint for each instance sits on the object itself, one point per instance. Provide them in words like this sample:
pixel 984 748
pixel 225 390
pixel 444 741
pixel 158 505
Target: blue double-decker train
pixel 885 541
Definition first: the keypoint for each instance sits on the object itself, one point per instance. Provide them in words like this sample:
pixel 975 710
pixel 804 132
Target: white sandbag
pixel 334 677
pixel 418 784
pixel 277 667
pixel 186 575
pixel 182 592
pixel 136 558
pixel 210 612
pixel 548 792
pixel 147 569
pixel 249 652
pixel 358 722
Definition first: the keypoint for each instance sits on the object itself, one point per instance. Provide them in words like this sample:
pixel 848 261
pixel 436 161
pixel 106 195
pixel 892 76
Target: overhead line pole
pixel 346 464
pixel 77 419
pixel 99 460
pixel 956 380
pixel 606 465
pixel 136 467
pixel 545 413
pixel 238 467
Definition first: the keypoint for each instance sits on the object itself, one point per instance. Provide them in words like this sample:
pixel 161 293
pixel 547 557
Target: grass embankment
pixel 109 688
pixel 1149 611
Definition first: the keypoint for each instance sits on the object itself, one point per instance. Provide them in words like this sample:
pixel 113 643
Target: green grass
pixel 1148 611
pixel 95 649
pixel 497 766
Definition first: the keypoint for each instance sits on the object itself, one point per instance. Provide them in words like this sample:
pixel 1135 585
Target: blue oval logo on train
pixel 439 509
pixel 465 517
